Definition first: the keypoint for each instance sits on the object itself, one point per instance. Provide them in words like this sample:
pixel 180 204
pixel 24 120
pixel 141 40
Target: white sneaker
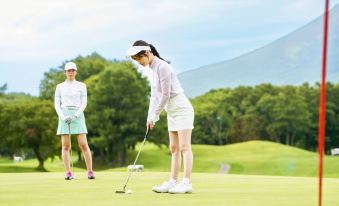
pixel 181 188
pixel 164 187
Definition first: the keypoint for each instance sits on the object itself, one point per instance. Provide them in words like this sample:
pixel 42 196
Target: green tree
pixel 87 66
pixel 247 127
pixel 8 123
pixel 287 114
pixel 212 117
pixel 332 116
pixel 30 125
pixel 117 110
pixel 311 94
pixel 3 89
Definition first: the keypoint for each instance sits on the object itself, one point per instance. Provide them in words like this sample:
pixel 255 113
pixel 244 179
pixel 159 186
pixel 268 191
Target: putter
pixel 70 139
pixel 135 161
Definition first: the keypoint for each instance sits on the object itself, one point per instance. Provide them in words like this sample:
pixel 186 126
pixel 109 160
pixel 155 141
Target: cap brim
pixel 70 69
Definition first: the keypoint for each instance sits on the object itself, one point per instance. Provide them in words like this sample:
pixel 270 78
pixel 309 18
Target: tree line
pixel 283 114
pixel 116 114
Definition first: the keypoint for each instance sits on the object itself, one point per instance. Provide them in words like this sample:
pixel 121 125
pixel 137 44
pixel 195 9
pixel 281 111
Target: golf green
pixel 209 189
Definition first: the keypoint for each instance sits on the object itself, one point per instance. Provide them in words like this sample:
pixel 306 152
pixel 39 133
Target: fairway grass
pixel 49 189
pixel 248 158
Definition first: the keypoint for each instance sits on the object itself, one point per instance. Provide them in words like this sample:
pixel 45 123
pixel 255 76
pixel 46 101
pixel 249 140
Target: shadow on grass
pixel 19 169
pixel 7 166
pixel 97 166
pixel 23 169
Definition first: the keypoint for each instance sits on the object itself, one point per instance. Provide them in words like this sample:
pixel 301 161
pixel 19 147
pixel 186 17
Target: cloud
pixel 304 10
pixel 49 31
pixel 38 29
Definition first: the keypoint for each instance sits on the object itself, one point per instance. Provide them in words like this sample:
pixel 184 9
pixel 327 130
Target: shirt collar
pixel 154 62
pixel 69 81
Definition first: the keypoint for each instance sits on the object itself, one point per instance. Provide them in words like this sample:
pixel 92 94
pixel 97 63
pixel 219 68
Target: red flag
pixel 322 107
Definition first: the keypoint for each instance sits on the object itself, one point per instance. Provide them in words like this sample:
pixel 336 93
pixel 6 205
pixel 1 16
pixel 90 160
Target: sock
pixel 173 180
pixel 186 180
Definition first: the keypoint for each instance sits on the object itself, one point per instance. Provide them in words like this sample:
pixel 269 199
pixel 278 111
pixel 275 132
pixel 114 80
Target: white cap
pixel 70 65
pixel 136 49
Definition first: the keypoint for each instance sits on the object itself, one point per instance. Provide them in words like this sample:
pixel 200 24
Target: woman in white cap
pixel 167 94
pixel 70 103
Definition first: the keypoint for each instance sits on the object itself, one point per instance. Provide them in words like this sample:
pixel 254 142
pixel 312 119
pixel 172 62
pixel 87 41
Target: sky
pixel 37 35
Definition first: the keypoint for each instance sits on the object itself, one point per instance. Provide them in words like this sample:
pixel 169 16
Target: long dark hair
pixel 153 49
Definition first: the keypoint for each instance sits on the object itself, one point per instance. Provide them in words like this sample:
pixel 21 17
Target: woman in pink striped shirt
pixel 167 94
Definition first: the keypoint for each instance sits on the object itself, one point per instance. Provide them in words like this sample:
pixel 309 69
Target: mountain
pixel 291 60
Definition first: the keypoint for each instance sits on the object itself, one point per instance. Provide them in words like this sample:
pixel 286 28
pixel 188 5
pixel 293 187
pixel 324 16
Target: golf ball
pixel 129 191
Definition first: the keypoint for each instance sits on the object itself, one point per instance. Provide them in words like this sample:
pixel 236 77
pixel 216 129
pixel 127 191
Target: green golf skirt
pixel 77 126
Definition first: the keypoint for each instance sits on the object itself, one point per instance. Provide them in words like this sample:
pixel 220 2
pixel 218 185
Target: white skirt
pixel 180 113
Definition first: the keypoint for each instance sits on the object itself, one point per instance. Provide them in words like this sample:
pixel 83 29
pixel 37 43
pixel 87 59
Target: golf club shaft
pixel 70 139
pixel 136 159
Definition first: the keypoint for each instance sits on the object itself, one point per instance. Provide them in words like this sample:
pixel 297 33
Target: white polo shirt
pixel 70 94
pixel 164 85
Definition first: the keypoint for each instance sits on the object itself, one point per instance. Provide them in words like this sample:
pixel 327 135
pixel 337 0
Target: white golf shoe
pixel 181 188
pixel 165 187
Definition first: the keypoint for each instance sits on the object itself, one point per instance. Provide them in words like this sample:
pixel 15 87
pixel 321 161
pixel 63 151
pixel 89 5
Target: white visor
pixel 136 49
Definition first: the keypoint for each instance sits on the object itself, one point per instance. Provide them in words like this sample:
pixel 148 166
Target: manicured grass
pixel 265 164
pixel 254 157
pixel 49 189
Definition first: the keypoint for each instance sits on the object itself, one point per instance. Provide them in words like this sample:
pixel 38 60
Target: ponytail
pixel 153 49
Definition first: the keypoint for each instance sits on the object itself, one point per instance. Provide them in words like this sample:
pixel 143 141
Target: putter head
pixel 123 191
